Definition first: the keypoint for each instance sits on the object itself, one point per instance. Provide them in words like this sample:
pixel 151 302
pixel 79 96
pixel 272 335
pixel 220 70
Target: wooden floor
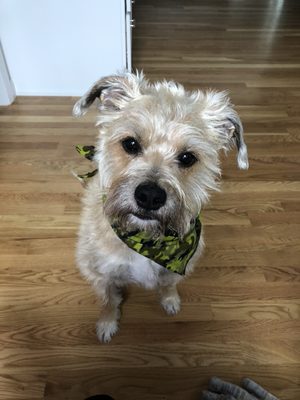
pixel 240 312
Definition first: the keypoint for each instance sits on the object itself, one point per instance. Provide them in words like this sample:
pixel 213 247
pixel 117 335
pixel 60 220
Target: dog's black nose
pixel 150 196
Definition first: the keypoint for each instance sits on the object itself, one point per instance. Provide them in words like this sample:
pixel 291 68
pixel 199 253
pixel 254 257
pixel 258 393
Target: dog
pixel 158 161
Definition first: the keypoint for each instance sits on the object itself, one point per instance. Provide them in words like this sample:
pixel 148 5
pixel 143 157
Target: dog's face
pixel 158 149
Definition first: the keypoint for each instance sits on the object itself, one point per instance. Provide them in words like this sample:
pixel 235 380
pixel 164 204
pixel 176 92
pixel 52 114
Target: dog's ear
pixel 114 92
pixel 224 122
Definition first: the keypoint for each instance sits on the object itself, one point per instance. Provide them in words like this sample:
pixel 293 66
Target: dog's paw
pixel 106 329
pixel 171 305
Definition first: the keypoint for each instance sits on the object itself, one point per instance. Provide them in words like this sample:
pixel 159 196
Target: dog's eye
pixel 131 145
pixel 187 159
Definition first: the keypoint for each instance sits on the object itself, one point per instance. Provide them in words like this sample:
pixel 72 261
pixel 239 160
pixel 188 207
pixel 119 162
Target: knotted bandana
pixel 169 250
pixel 89 153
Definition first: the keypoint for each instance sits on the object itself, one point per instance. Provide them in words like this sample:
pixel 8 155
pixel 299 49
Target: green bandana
pixel 169 251
pixel 89 153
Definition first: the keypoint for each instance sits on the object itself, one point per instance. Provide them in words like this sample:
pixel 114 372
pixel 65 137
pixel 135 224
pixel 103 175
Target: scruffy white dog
pixel 158 159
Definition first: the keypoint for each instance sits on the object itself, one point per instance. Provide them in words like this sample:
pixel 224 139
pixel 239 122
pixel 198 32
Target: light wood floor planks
pixel 240 312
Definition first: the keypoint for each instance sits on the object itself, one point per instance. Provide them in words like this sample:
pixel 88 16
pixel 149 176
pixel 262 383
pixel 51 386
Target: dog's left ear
pixel 113 92
pixel 224 122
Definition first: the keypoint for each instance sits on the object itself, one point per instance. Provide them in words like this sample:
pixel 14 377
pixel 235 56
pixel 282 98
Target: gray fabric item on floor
pixel 222 390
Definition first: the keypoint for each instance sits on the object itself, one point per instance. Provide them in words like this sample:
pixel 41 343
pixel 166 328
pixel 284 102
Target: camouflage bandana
pixel 89 153
pixel 169 251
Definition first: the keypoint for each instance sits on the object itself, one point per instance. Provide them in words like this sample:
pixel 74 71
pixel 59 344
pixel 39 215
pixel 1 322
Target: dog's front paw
pixel 171 304
pixel 106 329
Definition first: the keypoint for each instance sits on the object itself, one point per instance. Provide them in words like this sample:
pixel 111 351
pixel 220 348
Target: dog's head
pixel 158 149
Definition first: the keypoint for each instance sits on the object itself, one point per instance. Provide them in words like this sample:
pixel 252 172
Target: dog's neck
pixel 168 250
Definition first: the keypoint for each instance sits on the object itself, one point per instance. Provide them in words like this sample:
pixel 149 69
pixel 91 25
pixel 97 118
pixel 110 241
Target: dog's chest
pixel 144 272
pixel 125 266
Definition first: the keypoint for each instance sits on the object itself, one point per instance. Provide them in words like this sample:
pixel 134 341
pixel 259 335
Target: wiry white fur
pixel 78 109
pixel 217 111
pixel 243 157
pixel 166 120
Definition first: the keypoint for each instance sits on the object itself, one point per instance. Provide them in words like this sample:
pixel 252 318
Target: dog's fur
pixel 166 120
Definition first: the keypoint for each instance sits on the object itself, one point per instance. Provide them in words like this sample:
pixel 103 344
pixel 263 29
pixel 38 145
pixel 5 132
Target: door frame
pixel 7 88
pixel 128 33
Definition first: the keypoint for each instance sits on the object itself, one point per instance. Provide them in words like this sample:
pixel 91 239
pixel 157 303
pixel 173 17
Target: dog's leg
pixel 111 299
pixel 169 299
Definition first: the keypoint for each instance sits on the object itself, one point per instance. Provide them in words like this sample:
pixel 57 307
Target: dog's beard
pixel 121 209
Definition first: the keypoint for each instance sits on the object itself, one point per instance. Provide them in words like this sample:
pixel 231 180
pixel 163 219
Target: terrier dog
pixel 158 160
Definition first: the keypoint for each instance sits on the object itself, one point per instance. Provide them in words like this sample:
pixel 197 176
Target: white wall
pixel 60 47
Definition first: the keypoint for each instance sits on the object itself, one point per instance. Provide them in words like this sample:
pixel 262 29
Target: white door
pixel 55 47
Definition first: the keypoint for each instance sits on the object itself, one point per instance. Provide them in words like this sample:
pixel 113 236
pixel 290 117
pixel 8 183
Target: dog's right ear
pixel 114 92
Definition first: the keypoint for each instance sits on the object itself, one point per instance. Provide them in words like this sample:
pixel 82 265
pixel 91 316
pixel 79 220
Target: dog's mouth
pixel 143 216
pixel 143 221
pixel 130 217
